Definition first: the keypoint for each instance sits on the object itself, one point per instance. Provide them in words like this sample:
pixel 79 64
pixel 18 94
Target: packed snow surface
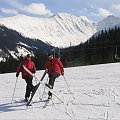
pixel 96 90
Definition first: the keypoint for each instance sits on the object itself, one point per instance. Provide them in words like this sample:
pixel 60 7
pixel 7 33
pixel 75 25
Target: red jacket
pixel 54 65
pixel 29 65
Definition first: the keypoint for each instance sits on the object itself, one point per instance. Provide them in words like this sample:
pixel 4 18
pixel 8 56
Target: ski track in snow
pixel 96 90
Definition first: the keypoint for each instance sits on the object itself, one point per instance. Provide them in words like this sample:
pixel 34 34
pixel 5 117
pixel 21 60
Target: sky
pixel 94 10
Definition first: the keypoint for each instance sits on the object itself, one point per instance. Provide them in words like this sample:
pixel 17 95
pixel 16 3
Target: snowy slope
pixel 109 22
pixel 58 30
pixel 96 90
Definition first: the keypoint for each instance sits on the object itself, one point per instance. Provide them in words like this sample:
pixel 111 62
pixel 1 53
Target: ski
pixel 36 87
pixel 46 103
pixel 40 82
pixel 20 101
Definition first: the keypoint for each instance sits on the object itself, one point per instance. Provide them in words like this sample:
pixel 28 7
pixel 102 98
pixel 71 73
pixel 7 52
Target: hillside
pixel 14 44
pixel 58 30
pixel 98 49
pixel 96 90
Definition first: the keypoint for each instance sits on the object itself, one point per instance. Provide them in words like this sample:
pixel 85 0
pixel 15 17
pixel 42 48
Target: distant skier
pixel 55 68
pixel 25 75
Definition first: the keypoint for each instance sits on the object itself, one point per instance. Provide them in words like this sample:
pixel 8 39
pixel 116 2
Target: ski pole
pixel 41 82
pixel 14 89
pixel 68 87
pixel 38 88
pixel 44 90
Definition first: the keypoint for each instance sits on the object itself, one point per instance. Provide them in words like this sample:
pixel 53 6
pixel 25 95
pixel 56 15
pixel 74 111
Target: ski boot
pixel 49 97
pixel 49 86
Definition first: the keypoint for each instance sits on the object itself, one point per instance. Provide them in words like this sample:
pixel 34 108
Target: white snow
pixel 23 44
pixel 1 58
pixel 109 22
pixel 96 90
pixel 58 30
pixel 21 50
pixel 12 54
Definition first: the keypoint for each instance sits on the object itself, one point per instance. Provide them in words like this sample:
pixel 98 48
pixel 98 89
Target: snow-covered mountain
pixel 58 30
pixel 14 44
pixel 109 22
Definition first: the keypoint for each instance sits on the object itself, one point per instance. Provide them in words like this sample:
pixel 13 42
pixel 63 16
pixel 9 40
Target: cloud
pixel 95 14
pixel 92 6
pixel 8 11
pixel 104 12
pixel 83 10
pixel 14 3
pixel 116 7
pixel 33 8
pixel 38 9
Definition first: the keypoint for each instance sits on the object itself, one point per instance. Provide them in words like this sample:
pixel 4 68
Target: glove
pixel 47 70
pixel 17 74
pixel 62 73
pixel 33 71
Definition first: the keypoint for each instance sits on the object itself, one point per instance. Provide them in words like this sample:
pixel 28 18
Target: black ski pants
pixel 29 86
pixel 52 78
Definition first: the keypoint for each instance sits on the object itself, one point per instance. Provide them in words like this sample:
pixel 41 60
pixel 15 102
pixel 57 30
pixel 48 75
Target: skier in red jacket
pixel 55 68
pixel 25 75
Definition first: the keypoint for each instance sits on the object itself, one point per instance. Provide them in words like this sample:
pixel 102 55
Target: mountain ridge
pixel 14 44
pixel 58 30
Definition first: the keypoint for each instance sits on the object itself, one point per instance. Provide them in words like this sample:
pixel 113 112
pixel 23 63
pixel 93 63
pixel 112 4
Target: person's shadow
pixel 8 107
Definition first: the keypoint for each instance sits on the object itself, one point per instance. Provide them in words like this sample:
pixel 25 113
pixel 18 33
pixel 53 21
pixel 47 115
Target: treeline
pixel 10 64
pixel 99 49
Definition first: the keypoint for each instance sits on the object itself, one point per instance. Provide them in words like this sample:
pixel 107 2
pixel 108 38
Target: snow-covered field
pixel 96 90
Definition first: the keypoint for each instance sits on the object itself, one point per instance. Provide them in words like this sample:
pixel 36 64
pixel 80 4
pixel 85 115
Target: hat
pixel 57 55
pixel 50 55
pixel 28 55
